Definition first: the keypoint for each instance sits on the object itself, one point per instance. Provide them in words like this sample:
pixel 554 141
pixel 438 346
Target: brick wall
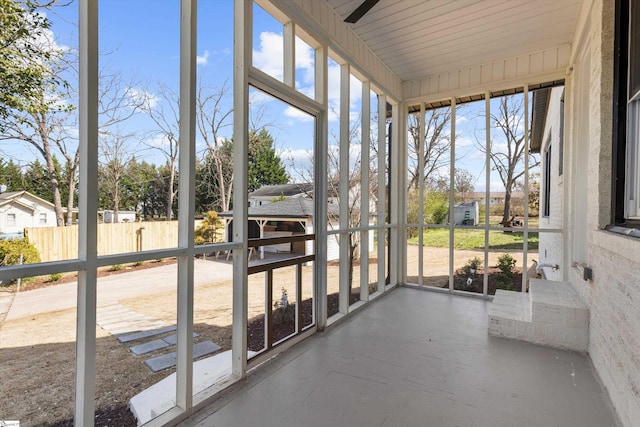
pixel 550 247
pixel 613 296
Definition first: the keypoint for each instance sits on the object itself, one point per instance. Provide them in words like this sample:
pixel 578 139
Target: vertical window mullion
pixel 320 220
pixel 343 188
pixel 88 205
pixel 487 190
pixel 382 185
pixel 289 50
pixel 243 24
pixel 186 203
pixel 364 189
pixel 525 234
pixel 421 142
pixel 452 171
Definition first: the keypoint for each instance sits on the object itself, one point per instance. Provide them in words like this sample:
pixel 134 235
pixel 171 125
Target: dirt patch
pixel 45 281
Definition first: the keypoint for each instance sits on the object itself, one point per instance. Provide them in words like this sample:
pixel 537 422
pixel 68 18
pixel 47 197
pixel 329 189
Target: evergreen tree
pixel 11 176
pixel 265 166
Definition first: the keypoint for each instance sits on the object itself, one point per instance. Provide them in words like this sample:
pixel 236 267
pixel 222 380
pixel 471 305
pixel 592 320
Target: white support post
pixel 525 234
pixel 452 171
pixel 87 204
pixel 261 224
pixel 365 141
pixel 421 141
pixel 343 186
pixel 487 191
pixel 243 21
pixel 186 203
pixel 320 219
pixel 395 268
pixel 382 190
pixel 289 51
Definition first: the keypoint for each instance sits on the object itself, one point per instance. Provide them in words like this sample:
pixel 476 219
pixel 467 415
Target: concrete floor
pixel 415 358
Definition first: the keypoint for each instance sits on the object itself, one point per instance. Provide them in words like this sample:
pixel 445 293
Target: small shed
pixel 466 214
pixel 123 216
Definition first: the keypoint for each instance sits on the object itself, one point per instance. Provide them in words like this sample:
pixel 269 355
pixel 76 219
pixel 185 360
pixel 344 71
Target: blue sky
pixel 140 40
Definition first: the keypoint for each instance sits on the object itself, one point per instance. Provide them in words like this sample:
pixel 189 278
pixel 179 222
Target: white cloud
pixel 157 141
pixel 147 99
pixel 461 119
pixel 268 57
pixel 464 141
pixel 203 59
pixel 294 113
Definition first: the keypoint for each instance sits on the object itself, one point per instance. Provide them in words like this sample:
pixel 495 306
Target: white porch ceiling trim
pixel 533 68
pixel 323 24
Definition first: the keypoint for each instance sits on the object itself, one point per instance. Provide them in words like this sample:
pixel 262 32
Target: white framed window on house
pixel 43 218
pixel 11 219
pixel 546 202
pixel 632 179
pixel 626 203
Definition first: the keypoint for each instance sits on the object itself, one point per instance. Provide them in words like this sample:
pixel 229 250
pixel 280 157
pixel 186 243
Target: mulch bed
pixel 119 416
pixel 460 281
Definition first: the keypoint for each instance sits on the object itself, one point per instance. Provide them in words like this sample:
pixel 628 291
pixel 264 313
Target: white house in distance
pixel 21 209
pixel 270 217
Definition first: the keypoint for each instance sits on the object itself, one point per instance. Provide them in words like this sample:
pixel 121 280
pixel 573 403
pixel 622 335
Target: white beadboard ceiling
pixel 418 38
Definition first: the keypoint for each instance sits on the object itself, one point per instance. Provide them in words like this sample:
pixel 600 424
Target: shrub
pixel 436 208
pixel 207 231
pixel 506 263
pixel 503 281
pixel 472 265
pixel 54 277
pixel 284 312
pixel 115 267
pixel 10 251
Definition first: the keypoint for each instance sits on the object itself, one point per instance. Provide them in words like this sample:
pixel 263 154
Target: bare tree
pixel 211 117
pixel 42 124
pixel 115 150
pixel 437 143
pixel 164 113
pixel 508 152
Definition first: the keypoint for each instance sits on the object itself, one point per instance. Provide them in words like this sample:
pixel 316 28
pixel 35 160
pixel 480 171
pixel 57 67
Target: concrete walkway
pixel 112 289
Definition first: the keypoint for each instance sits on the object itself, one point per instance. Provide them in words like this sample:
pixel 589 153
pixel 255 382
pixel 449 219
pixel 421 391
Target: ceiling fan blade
pixel 360 11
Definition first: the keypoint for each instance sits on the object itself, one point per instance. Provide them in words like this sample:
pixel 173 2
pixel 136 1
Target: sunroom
pixel 410 110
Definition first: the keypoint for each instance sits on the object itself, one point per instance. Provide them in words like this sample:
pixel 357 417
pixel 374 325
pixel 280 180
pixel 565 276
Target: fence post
pixel 19 278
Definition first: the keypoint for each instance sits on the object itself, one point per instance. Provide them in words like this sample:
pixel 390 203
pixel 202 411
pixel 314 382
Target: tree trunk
pixel 51 171
pixel 170 192
pixel 506 218
pixel 71 184
pixel 116 202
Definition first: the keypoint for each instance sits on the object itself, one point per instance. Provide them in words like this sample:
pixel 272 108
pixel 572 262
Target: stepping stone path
pixel 168 360
pixel 130 326
pixel 154 345
pixel 118 319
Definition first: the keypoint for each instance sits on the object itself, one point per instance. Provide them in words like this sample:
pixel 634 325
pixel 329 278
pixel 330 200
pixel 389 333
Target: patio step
pixel 551 314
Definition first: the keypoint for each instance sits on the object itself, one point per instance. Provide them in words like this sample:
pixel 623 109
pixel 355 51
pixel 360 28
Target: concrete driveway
pixel 111 289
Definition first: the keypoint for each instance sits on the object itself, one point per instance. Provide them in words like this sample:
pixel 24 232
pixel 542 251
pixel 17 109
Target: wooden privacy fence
pixel 61 243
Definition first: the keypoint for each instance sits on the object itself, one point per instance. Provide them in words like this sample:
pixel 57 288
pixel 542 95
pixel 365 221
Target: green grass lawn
pixel 474 239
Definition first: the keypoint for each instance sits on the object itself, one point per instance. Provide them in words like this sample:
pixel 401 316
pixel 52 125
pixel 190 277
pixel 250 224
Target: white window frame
pixel 632 167
pixel 43 218
pixel 11 219
pixel 632 158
